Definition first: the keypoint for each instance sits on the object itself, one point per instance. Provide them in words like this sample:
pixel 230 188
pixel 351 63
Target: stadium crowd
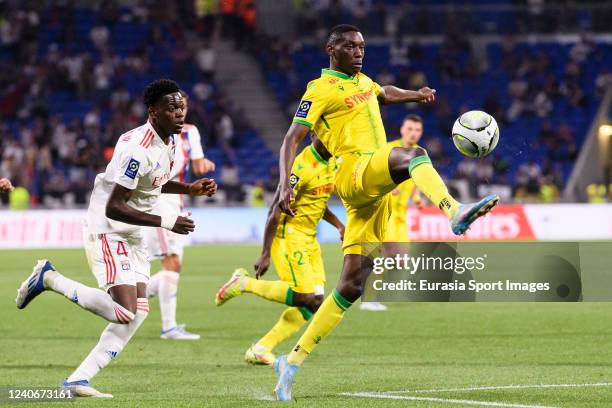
pixel 55 157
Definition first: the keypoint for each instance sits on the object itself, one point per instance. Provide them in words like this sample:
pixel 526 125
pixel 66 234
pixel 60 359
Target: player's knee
pixel 172 263
pixel 400 159
pixel 307 300
pixel 316 303
pixel 124 315
pixel 350 289
pixel 142 307
pixel 410 153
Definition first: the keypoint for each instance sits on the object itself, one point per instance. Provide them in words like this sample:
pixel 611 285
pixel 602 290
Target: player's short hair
pixel 413 118
pixel 157 89
pixel 335 34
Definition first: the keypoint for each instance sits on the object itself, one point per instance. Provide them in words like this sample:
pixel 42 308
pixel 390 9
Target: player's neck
pixel 164 137
pixel 338 69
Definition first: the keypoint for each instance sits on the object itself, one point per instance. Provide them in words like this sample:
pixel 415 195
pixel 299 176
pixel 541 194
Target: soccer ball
pixel 475 133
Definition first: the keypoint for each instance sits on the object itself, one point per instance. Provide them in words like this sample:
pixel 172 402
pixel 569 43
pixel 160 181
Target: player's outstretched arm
pixel 118 210
pixel 263 263
pixel 331 218
pixel 296 133
pixel 5 185
pixel 203 186
pixel 202 166
pixel 393 94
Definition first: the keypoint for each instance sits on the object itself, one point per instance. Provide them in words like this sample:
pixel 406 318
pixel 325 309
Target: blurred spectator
pixel 99 36
pixel 547 135
pixel 229 181
pixel 5 185
pixel 542 105
pixel 257 195
pixel 386 77
pixel 19 199
pixel 603 82
pixel 224 133
pixel 596 193
pixel 528 181
pixel 549 193
pixel 206 58
pixel 398 52
pixel 247 20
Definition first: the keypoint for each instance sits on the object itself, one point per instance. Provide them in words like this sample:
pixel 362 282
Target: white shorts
pixel 162 243
pixel 117 258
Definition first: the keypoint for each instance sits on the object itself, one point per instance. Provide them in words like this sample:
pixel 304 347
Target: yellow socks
pixel 290 322
pixel 429 182
pixel 325 320
pixel 276 291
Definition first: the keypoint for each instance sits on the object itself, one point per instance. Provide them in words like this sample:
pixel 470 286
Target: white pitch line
pixel 502 387
pixel 444 400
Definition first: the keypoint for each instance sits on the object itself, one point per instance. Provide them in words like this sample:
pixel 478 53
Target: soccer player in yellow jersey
pixel 397 229
pixel 296 254
pixel 342 107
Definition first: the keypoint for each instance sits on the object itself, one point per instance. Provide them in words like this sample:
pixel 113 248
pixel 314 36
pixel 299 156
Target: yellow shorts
pixel 299 262
pixel 363 182
pixel 397 230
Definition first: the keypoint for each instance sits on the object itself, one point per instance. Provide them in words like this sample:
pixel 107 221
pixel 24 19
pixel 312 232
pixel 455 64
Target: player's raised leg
pixel 413 162
pixel 241 282
pixel 46 277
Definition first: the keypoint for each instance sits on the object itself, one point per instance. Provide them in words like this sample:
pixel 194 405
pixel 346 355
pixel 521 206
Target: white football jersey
pixel 188 147
pixel 141 162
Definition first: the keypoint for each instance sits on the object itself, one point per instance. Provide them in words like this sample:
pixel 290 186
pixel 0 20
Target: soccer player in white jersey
pixel 119 208
pixel 166 245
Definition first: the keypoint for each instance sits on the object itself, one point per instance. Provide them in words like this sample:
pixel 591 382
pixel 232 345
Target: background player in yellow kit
pixel 397 229
pixel 342 107
pixel 295 252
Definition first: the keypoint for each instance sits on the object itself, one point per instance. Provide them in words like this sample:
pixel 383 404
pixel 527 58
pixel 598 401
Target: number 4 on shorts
pixel 121 249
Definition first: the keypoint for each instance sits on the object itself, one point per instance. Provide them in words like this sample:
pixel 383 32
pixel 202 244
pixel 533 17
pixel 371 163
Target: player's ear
pixel 152 113
pixel 329 48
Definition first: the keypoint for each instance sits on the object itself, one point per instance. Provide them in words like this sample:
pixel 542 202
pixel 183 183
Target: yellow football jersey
pixel 312 181
pixel 344 112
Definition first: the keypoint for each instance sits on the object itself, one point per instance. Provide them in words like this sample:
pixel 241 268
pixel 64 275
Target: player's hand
pixel 6 186
pixel 262 265
pixel 203 186
pixel 209 166
pixel 341 232
pixel 286 198
pixel 427 95
pixel 183 225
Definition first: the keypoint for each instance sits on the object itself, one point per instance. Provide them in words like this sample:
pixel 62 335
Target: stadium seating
pixel 253 156
pixel 516 139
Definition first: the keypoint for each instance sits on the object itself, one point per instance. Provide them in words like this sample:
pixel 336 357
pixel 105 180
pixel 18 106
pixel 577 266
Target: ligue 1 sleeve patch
pixel 303 109
pixel 132 168
pixel 293 180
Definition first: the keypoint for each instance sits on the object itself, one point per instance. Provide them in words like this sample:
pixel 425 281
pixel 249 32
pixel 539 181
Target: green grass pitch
pixel 418 346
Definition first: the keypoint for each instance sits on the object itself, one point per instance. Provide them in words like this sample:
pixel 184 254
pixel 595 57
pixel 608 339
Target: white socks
pixel 168 286
pixel 112 341
pixel 153 285
pixel 94 300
